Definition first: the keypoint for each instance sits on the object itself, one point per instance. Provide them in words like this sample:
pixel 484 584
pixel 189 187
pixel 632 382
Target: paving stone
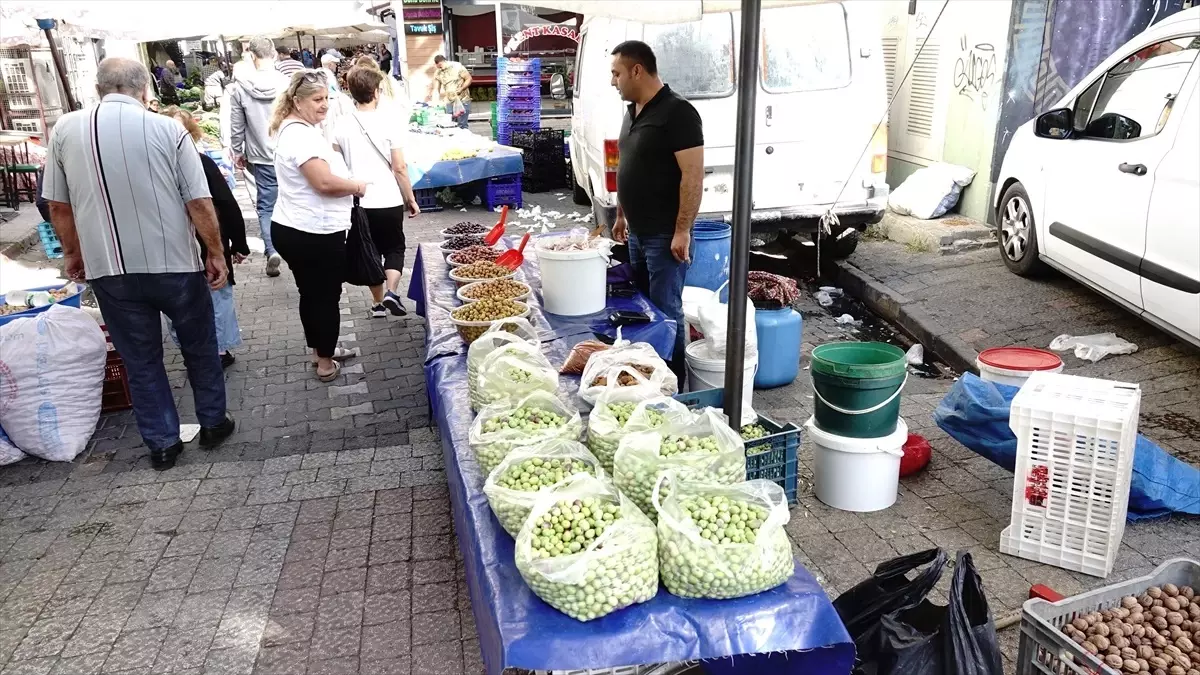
pixel 135 650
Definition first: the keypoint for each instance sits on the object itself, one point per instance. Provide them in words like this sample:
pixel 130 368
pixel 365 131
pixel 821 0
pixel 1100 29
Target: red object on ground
pixel 1020 358
pixel 1045 593
pixel 917 453
pixel 114 395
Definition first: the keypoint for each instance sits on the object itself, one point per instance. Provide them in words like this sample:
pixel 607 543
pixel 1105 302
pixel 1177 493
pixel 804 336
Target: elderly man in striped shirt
pixel 128 199
pixel 285 63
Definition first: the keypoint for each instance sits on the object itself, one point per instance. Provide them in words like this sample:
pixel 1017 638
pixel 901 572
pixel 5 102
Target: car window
pixel 805 48
pixel 1134 99
pixel 695 58
pixel 577 74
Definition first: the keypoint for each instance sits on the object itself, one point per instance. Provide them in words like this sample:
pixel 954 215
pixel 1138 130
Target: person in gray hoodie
pixel 251 99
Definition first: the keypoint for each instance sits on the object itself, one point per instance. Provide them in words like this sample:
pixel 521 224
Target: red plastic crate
pixel 115 394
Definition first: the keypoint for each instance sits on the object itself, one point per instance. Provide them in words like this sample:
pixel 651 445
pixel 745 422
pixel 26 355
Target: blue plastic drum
pixel 779 336
pixel 710 262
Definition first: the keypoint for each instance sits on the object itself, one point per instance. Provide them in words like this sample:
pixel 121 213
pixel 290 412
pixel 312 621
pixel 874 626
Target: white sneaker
pixel 273 264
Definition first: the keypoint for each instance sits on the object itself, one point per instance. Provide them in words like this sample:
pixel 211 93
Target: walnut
pixel 1131 666
pixel 1146 601
pixel 1185 645
pixel 1090 647
pixel 1145 651
pixel 1170 589
pixel 1171 604
pixel 1158 611
pixel 1187 592
pixel 1102 629
pixel 1174 618
pixel 1129 602
pixel 1136 617
pixel 1129 653
pixel 1160 641
pixel 1101 642
pixel 1080 623
pixel 1174 651
pixel 1157 662
pixel 1160 623
pixel 1119 641
pixel 1154 592
pixel 1114 661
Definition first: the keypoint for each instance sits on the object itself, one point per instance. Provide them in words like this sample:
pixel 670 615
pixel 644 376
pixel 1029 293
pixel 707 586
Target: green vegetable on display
pixel 526 418
pixel 502 426
pixel 675 444
pixel 511 488
pixel 752 432
pixel 696 458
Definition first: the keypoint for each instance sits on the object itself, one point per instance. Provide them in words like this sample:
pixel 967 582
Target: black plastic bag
pixel 363 265
pixel 928 639
pixel 888 590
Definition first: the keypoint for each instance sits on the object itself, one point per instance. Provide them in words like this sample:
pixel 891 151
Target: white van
pixel 822 90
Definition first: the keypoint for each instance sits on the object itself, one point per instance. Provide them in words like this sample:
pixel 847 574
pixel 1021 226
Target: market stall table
pixel 790 629
pixel 424 151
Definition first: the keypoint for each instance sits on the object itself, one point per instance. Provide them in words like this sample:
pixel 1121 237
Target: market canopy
pixel 671 11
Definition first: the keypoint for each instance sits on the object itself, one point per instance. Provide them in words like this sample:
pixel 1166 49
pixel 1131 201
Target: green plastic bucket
pixel 856 388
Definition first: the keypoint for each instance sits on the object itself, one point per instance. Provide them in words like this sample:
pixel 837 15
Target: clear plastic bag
pixel 641 361
pixel 578 358
pixel 511 372
pixel 617 569
pixel 605 431
pixel 714 323
pixel 497 335
pixel 492 446
pixel 639 462
pixel 692 566
pixel 512 506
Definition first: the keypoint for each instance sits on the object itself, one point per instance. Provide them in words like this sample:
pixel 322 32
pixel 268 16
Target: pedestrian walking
pixel 372 145
pixel 128 198
pixel 312 214
pixel 285 63
pixel 233 244
pixel 452 82
pixel 659 182
pixel 250 102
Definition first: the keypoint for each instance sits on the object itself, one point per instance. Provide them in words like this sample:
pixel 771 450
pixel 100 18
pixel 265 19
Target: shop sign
pixel 423 14
pixel 423 29
pixel 537 31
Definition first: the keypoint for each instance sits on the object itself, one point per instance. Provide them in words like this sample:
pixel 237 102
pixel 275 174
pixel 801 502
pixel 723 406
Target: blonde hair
pixel 368 61
pixel 300 87
pixel 185 118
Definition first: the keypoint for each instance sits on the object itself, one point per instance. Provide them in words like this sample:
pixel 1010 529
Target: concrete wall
pixel 947 109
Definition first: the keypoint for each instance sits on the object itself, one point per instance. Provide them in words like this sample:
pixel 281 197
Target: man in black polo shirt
pixel 659 182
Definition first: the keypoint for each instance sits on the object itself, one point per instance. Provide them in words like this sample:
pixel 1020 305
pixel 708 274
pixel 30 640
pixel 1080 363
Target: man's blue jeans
pixel 132 304
pixel 660 276
pixel 462 119
pixel 267 189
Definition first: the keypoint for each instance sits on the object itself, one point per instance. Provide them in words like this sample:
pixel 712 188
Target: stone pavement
pixel 319 539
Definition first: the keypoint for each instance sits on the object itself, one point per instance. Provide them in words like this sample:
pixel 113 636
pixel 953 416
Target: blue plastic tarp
pixel 795 622
pixel 496 162
pixel 433 291
pixel 975 413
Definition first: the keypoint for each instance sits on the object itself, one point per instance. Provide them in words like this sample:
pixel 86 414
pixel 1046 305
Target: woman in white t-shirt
pixel 312 214
pixel 371 141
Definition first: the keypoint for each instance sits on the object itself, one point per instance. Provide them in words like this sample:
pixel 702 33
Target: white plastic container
pixel 1075 440
pixel 857 474
pixel 693 297
pixel 574 283
pixel 1014 365
pixel 709 373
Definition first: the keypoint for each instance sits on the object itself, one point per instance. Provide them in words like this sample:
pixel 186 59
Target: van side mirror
pixel 1056 124
pixel 558 87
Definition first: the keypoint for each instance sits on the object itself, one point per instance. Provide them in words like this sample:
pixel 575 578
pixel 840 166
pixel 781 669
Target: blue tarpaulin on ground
pixel 795 622
pixel 976 412
pixel 434 294
pixel 496 162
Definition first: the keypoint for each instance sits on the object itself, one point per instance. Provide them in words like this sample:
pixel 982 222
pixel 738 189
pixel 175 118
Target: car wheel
pixel 580 197
pixel 1017 232
pixel 840 244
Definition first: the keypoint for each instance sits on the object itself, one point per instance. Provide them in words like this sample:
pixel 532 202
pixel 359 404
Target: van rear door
pixel 822 90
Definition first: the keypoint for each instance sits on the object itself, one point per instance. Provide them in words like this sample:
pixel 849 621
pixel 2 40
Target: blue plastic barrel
pixel 710 261
pixel 779 333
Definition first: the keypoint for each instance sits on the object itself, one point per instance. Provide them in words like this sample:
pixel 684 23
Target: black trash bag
pixel 888 590
pixel 928 639
pixel 363 264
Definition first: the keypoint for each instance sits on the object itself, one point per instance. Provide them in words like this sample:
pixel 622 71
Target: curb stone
pixel 914 321
pixel 16 248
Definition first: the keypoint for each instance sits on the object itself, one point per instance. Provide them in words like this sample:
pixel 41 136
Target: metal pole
pixel 299 44
pixel 743 182
pixel 46 25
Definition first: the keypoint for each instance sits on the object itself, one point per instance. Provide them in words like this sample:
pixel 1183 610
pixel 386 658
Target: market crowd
pixel 146 213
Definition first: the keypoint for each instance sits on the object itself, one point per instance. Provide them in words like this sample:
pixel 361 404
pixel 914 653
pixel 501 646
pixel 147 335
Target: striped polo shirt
pixel 288 67
pixel 127 174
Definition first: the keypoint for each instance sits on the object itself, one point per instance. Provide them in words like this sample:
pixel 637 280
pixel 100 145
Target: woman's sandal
pixel 331 375
pixel 339 354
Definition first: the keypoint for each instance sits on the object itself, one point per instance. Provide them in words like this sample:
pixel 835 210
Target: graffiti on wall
pixel 975 70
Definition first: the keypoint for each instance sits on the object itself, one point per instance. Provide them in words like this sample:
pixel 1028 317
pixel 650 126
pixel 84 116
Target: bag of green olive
pixel 501 427
pixel 511 372
pixel 624 410
pixel 497 335
pixel 703 449
pixel 587 550
pixel 514 485
pixel 633 364
pixel 721 541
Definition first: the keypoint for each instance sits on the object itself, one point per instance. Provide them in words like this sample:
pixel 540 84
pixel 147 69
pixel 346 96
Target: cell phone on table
pixel 622 291
pixel 624 317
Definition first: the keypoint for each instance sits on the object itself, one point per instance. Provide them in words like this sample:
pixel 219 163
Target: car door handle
pixel 1135 169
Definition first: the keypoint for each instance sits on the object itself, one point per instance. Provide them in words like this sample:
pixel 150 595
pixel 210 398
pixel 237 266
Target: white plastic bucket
pixel 574 283
pixel 708 373
pixel 1015 378
pixel 693 297
pixel 857 474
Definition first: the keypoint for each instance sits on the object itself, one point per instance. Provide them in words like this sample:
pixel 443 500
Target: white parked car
pixel 821 92
pixel 1105 187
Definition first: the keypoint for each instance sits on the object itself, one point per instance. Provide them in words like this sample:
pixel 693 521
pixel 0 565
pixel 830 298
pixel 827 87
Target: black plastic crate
pixel 772 457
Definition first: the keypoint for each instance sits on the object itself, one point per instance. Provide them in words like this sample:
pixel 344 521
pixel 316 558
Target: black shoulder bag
pixel 364 266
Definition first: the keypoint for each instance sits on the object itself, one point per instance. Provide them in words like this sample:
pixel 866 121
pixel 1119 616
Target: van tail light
pixel 612 157
pixel 879 144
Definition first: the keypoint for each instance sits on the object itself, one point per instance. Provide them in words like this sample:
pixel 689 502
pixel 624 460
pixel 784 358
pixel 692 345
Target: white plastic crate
pixel 1075 440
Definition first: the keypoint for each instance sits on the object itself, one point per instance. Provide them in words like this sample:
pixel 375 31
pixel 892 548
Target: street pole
pixel 743 184
pixel 46 25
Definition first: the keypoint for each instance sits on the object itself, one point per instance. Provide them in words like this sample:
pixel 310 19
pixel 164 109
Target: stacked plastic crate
pixel 545 165
pixel 518 90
